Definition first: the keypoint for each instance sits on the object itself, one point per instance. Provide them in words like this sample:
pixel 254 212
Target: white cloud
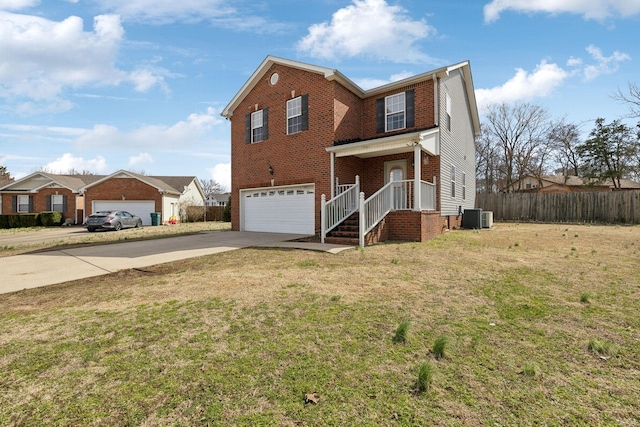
pixel 17 4
pixel 367 83
pixel 524 86
pixel 184 133
pixel 165 11
pixel 68 162
pixel 39 58
pixel 140 158
pixel 604 64
pixel 589 9
pixel 370 28
pixel 221 173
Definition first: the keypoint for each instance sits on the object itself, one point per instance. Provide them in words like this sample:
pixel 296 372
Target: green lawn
pixel 519 325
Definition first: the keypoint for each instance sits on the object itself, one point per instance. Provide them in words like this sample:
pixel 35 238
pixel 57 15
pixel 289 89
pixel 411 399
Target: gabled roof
pixel 576 181
pixel 334 75
pixel 164 184
pixel 39 180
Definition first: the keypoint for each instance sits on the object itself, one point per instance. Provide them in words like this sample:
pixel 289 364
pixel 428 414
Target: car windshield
pixel 103 213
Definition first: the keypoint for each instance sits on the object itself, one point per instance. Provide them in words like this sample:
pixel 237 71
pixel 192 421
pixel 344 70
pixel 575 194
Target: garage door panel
pixel 280 210
pixel 141 208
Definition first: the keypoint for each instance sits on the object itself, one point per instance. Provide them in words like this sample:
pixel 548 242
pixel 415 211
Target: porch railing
pixel 395 195
pixel 339 208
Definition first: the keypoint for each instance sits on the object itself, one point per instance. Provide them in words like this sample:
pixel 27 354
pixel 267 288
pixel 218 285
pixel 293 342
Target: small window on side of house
pixel 23 204
pixel 256 126
pixel 464 186
pixel 453 181
pixel 297 114
pixel 448 112
pixel 395 112
pixel 528 184
pixel 57 203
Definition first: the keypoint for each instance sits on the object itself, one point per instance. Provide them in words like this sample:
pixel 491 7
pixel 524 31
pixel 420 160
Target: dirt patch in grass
pixel 240 338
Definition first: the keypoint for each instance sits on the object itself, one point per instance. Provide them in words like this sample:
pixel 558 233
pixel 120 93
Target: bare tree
pixel 632 99
pixel 488 165
pixel 520 132
pixel 564 138
pixel 5 176
pixel 211 186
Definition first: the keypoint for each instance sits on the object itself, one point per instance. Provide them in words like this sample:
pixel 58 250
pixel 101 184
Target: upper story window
pixel 528 183
pixel 448 112
pixel 257 126
pixel 395 112
pixel 294 115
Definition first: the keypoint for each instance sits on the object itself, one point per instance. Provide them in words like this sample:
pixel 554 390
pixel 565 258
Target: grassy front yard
pixel 519 325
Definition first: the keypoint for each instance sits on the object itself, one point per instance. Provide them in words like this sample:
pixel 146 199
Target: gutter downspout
pixel 436 101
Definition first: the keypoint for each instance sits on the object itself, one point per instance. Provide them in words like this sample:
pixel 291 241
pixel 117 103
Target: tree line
pixel 521 139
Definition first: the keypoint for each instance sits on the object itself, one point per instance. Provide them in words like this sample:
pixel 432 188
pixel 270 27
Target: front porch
pixel 398 208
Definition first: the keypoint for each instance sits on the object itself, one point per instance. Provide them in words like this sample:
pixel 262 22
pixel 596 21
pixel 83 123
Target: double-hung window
pixel 448 112
pixel 294 115
pixel 23 204
pixel 464 186
pixel 257 126
pixel 57 203
pixel 453 181
pixel 395 112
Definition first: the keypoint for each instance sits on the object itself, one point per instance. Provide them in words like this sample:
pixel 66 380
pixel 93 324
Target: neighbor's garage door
pixel 142 208
pixel 279 209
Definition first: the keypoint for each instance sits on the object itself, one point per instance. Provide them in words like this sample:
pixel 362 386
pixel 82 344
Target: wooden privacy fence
pixel 590 207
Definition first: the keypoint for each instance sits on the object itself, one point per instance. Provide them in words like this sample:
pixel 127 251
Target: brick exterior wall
pixel 335 114
pixel 40 201
pixel 113 189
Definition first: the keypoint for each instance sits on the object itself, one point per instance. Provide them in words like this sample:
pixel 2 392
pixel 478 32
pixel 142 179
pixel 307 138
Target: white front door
pixel 395 172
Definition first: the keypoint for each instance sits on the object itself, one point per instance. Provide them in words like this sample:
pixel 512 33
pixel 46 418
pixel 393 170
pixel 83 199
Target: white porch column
pixel 333 175
pixel 417 172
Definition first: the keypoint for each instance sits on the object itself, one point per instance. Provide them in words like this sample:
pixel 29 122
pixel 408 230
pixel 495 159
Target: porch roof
pixel 428 141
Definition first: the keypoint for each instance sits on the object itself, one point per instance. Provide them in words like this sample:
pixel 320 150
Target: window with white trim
pixel 257 128
pixel 464 186
pixel 448 110
pixel 453 181
pixel 294 115
pixel 395 107
pixel 57 203
pixel 23 204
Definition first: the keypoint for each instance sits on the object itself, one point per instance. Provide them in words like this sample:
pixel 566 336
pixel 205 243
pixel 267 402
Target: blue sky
pixel 103 85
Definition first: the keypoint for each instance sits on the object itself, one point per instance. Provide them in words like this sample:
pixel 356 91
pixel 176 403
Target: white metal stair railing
pixel 336 210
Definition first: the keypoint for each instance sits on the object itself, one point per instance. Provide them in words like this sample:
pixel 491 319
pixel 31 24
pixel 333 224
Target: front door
pixel 395 172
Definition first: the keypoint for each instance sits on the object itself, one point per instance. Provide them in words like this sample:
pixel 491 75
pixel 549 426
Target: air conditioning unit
pixel 472 219
pixel 487 219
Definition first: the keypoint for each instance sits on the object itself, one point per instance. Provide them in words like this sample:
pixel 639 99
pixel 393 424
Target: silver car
pixel 112 220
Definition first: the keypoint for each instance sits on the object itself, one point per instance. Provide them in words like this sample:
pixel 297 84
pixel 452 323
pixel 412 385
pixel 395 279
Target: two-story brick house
pixel 309 149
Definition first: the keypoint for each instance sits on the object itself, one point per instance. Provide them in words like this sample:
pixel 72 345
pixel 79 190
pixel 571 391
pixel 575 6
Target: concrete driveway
pixel 48 268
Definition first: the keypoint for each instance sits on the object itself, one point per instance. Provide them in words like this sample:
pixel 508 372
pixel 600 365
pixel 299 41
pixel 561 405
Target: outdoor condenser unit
pixel 472 219
pixel 487 219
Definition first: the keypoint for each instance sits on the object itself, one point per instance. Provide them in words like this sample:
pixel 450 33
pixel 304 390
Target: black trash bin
pixel 155 218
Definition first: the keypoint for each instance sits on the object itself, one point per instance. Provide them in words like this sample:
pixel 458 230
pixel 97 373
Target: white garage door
pixel 142 208
pixel 279 209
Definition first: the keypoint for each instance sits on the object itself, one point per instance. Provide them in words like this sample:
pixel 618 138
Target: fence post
pixel 361 223
pixel 323 219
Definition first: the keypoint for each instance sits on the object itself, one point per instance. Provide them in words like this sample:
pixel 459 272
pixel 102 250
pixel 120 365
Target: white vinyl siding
pixel 457 147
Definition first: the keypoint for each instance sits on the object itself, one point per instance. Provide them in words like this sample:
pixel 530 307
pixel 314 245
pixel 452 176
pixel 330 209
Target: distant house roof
pixel 576 181
pixel 78 183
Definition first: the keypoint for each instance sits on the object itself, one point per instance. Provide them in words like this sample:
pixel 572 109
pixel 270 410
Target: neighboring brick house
pixel 306 143
pixel 77 196
pixel 565 184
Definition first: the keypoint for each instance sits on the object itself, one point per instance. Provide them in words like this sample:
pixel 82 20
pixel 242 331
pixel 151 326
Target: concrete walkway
pixel 48 268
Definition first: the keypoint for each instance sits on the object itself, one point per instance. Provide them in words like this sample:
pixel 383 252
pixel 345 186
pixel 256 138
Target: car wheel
pixel 138 224
pixel 117 226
